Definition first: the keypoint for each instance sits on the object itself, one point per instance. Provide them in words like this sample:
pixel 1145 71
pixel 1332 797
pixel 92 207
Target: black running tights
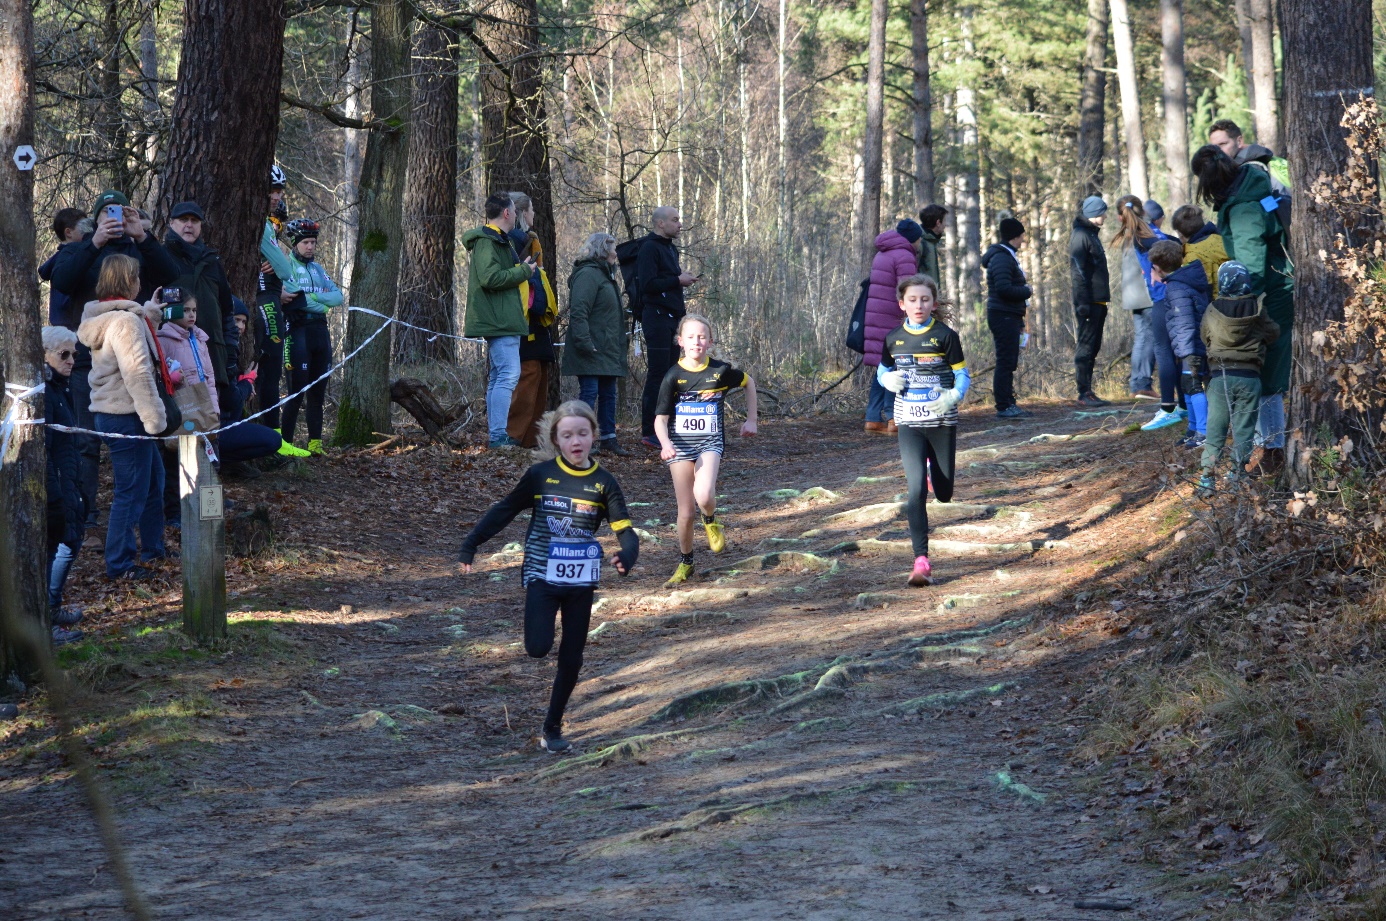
pixel 310 352
pixel 938 445
pixel 543 601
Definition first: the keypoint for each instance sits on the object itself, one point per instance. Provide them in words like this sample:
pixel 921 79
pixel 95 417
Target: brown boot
pixel 891 428
pixel 1253 463
pixel 876 428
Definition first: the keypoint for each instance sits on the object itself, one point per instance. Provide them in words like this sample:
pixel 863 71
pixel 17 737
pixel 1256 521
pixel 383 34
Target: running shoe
pixel 1205 486
pixel 923 572
pixel 553 742
pixel 62 637
pixel 680 575
pixel 289 449
pixel 69 615
pixel 315 447
pixel 1091 400
pixel 1011 412
pixel 716 536
pixel 1162 420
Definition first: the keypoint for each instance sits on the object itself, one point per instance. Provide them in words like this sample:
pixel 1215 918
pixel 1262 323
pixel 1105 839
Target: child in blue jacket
pixel 1187 295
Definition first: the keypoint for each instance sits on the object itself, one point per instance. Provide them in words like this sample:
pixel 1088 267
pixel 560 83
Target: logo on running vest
pixel 556 504
pixel 564 527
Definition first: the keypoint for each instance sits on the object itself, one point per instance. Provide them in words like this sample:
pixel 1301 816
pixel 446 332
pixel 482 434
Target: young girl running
pixel 922 361
pixel 568 497
pixel 688 423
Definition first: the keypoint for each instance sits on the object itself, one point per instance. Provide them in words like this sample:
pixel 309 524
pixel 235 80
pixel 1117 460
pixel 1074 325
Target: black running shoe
pixel 553 742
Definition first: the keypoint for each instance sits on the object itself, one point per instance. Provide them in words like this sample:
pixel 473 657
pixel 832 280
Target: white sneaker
pixel 1162 420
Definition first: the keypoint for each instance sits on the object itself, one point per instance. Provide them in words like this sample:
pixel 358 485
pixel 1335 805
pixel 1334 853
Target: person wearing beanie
pixel 1236 332
pixel 910 231
pixel 1087 262
pixel 1008 293
pixel 1154 213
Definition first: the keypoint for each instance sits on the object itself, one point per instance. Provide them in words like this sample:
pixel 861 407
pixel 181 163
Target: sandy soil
pixel 932 774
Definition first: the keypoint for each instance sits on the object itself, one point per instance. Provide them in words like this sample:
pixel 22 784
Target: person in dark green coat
pixel 931 219
pixel 1253 236
pixel 497 299
pixel 595 352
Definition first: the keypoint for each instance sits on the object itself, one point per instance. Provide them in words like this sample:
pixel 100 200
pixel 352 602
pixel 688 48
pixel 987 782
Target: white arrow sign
pixel 25 158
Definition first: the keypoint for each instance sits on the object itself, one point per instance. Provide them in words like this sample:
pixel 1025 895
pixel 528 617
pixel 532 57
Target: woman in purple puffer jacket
pixel 897 257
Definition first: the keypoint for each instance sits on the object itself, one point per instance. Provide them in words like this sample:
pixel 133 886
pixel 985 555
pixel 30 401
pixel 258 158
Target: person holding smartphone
pixel 118 231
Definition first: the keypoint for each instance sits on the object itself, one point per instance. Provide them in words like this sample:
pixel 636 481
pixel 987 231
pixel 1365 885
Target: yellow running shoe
pixel 680 575
pixel 288 449
pixel 716 536
pixel 315 447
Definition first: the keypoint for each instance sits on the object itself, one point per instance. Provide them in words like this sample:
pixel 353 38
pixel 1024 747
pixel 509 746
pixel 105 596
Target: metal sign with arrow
pixel 25 158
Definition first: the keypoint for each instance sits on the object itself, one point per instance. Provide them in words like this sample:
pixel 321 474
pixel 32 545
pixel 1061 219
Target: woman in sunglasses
pixel 66 514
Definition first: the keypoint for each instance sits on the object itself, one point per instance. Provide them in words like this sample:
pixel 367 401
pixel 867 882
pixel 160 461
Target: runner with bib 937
pixel 689 425
pixel 568 496
pixel 922 363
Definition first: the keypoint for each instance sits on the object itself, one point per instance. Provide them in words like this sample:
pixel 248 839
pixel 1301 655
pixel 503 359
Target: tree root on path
pixel 792 560
pixel 720 812
pixel 624 750
pixel 903 549
pixel 719 696
pixel 943 700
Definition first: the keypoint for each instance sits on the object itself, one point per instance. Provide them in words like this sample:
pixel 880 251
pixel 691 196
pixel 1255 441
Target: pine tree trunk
pixel 149 89
pixel 224 131
pixel 1176 103
pixel 353 143
pixel 872 146
pixel 923 105
pixel 1316 87
pixel 1092 106
pixel 514 127
pixel 1130 100
pixel 23 460
pixel 430 200
pixel 365 405
pixel 1263 72
pixel 1242 9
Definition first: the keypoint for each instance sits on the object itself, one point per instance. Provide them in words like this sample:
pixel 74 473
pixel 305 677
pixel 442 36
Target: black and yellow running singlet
pixel 692 398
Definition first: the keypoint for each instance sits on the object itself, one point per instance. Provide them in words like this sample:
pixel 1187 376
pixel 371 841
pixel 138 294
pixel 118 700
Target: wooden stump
pixel 418 400
pixel 204 542
pixel 249 532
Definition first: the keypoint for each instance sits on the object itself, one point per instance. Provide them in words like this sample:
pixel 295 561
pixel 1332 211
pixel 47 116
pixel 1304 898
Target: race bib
pixel 696 419
pixel 574 562
pixel 920 403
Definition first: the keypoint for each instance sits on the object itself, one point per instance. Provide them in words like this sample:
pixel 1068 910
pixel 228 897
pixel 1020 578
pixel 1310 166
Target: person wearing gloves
pixel 922 364
pixel 307 297
pixel 125 400
pixel 1091 294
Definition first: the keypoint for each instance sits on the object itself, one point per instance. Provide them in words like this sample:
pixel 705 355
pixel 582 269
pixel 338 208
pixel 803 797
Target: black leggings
pixel 310 353
pixel 267 382
pixel 938 444
pixel 543 600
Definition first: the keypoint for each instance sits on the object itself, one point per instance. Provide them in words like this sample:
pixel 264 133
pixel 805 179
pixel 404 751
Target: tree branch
pixel 335 117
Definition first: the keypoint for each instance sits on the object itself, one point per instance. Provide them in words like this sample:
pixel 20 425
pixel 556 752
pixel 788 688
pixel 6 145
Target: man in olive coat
pixel 497 300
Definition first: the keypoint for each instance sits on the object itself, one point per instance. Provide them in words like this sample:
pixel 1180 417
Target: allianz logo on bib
pixel 579 552
pixel 697 409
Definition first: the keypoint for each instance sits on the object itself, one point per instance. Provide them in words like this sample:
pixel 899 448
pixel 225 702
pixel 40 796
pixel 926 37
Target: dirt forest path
pixel 797 735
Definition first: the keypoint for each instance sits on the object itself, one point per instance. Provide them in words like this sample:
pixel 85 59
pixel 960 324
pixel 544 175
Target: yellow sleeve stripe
pixel 620 525
pixel 959 366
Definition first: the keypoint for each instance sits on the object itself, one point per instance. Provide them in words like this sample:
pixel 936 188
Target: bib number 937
pixel 577 562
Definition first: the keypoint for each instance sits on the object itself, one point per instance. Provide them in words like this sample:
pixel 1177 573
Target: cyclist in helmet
pixel 307 297
pixel 272 324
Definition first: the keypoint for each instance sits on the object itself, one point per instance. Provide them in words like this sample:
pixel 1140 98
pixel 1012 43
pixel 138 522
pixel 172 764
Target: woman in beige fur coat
pixel 125 401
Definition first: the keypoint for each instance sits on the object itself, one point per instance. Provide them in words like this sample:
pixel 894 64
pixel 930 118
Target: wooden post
pixel 204 542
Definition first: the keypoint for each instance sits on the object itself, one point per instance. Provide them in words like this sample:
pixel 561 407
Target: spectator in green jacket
pixel 931 219
pixel 596 350
pixel 1253 236
pixel 497 295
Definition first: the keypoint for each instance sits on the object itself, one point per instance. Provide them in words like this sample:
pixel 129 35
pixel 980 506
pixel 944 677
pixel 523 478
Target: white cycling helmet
pixel 277 178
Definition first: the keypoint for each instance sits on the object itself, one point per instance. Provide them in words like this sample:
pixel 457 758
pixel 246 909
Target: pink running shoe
pixel 922 574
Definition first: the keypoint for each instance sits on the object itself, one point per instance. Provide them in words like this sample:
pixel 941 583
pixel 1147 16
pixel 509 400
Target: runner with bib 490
pixel 568 497
pixel 922 363
pixel 689 426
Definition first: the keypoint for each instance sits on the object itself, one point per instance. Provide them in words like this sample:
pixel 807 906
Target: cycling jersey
pixel 692 398
pixel 929 356
pixel 567 507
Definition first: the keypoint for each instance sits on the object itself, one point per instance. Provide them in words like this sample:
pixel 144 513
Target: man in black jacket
pixel 201 271
pixel 661 283
pixel 1008 293
pixel 75 271
pixel 1091 293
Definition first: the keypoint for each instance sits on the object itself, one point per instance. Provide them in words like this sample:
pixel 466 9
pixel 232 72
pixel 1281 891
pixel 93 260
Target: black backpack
pixel 856 330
